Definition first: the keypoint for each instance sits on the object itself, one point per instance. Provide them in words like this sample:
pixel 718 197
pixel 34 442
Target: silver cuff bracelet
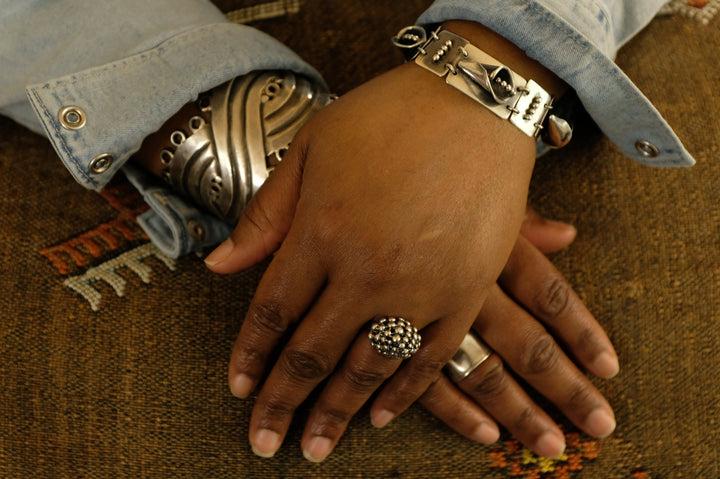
pixel 221 163
pixel 487 81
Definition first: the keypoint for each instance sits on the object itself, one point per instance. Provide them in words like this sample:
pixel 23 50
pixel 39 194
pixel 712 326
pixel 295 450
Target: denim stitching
pixel 58 136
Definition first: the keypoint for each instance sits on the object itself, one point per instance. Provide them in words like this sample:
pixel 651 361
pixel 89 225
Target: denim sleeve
pixel 130 65
pixel 127 65
pixel 578 41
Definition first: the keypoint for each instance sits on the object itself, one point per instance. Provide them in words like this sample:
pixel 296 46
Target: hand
pixel 529 288
pixel 401 198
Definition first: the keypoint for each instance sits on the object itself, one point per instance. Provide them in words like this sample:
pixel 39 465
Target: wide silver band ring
pixel 394 338
pixel 471 354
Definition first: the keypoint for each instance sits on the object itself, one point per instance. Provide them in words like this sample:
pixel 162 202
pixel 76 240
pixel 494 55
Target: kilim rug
pixel 113 357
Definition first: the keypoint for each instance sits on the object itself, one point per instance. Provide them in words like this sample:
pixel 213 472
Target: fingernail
pixel 606 365
pixel 220 253
pixel 486 433
pixel 265 443
pixel 241 386
pixel 600 423
pixel 551 444
pixel 318 449
pixel 559 224
pixel 382 418
pixel 568 230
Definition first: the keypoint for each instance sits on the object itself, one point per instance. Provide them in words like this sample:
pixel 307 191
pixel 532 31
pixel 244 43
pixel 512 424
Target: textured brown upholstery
pixel 138 388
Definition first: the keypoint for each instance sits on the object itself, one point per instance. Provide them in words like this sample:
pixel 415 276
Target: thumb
pixel 266 219
pixel 546 235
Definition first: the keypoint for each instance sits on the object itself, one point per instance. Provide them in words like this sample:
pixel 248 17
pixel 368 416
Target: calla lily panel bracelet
pixel 522 102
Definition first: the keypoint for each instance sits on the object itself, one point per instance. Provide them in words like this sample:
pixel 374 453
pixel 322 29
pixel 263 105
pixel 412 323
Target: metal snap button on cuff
pixel 101 163
pixel 72 117
pixel 196 230
pixel 647 149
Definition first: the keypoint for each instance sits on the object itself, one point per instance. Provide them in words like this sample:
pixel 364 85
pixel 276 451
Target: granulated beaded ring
pixel 394 338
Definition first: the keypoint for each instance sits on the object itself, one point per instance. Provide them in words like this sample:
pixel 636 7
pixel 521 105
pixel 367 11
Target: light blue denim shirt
pixel 130 65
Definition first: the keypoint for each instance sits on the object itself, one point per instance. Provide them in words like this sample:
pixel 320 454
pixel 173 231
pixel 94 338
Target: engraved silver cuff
pixel 220 164
pixel 522 102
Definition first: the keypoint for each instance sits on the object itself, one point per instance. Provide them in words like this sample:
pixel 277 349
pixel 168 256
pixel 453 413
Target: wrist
pixel 500 85
pixel 444 117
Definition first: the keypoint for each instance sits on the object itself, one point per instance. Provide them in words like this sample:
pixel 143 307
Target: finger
pixel 532 352
pixel 453 407
pixel 441 340
pixel 559 307
pixel 265 220
pixel 493 387
pixel 287 289
pixel 361 373
pixel 314 350
pixel 546 235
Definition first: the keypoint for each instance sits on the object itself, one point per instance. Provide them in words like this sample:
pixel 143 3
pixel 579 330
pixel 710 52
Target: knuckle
pixel 304 365
pixel 581 397
pixel 338 416
pixel 267 317
pixel 494 380
pixel 275 409
pixel 334 418
pixel 553 299
pixel 541 356
pixel 246 357
pixel 330 422
pixel 525 419
pixel 589 343
pixel 362 380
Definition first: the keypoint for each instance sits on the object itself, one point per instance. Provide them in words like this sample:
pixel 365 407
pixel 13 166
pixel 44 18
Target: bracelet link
pixel 484 79
pixel 531 109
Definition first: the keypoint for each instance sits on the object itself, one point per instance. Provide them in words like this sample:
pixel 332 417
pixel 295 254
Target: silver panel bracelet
pixel 487 81
pixel 221 162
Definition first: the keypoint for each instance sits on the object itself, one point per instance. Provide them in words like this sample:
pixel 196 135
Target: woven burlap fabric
pixel 138 388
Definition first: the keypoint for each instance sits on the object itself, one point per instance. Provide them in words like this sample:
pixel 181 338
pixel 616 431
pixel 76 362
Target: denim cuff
pixel 172 224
